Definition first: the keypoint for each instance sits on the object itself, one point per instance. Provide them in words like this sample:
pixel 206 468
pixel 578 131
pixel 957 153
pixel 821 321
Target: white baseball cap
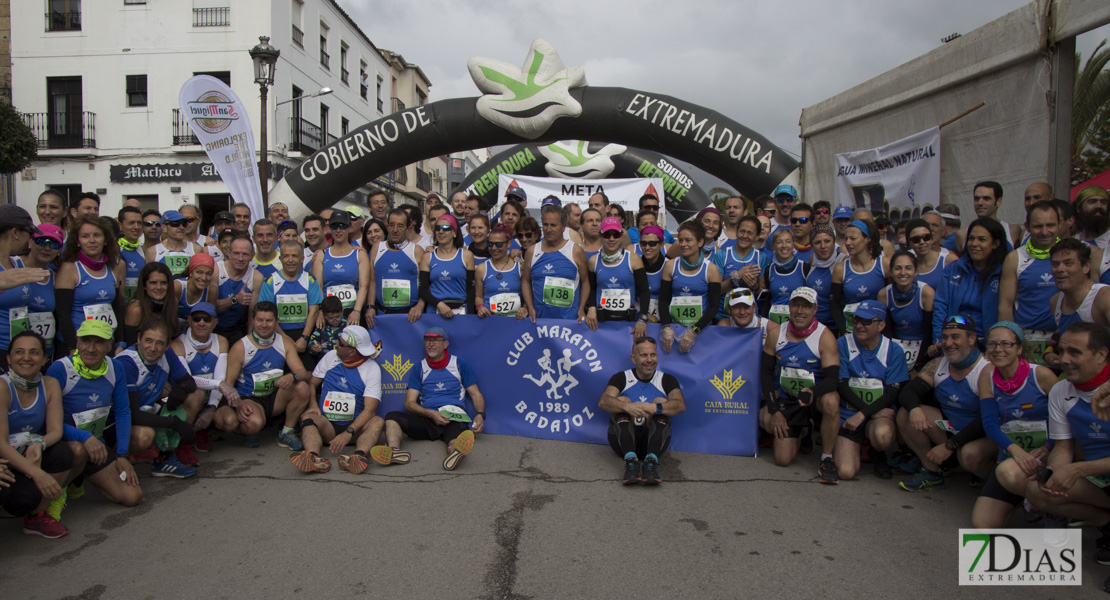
pixel 805 293
pixel 362 340
pixel 741 296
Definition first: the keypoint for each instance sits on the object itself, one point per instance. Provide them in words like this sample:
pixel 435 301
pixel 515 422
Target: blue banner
pixel 544 379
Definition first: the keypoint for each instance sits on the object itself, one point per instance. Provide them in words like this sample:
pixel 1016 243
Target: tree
pixel 1097 154
pixel 1091 108
pixel 17 143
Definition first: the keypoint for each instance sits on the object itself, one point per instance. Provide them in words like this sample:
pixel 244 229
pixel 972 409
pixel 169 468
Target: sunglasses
pixel 178 223
pixel 863 322
pixel 526 235
pixel 650 244
pixel 48 243
pixel 917 239
pixel 338 226
pixel 797 220
pixel 444 228
pixel 957 319
pixel 822 211
pixel 784 199
pixel 335 318
pixel 652 207
pixel 201 317
pixel 497 244
pixel 611 235
pixel 152 223
pixel 431 340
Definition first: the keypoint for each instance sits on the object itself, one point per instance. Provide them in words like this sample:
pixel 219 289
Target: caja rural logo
pixel 553 370
pixel 213 111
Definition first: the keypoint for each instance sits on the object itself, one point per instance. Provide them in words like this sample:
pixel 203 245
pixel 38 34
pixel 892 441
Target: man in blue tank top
pixel 640 402
pixel 556 272
pixel 1026 285
pixel 130 246
pixel 952 425
pixel 1067 486
pixel 435 406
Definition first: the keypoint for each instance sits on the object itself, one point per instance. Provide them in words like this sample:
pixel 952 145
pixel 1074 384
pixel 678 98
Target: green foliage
pixel 17 143
pixel 1097 153
pixel 1091 104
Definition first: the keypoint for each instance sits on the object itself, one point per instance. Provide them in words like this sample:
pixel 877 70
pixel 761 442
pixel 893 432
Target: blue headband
pixel 1014 327
pixel 860 225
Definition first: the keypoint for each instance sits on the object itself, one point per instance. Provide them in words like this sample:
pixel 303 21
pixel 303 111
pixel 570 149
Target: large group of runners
pixel 924 346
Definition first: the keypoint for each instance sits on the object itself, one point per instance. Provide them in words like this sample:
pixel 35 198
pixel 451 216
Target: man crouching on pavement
pixel 640 402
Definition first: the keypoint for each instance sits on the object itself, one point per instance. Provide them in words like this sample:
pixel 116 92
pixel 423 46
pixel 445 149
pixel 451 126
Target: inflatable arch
pixel 541 102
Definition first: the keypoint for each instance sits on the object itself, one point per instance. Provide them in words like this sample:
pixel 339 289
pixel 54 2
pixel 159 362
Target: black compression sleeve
pixel 469 291
pixel 767 383
pixel 828 384
pixel 926 339
pixel 117 307
pixel 643 290
pixel 591 300
pixel 425 283
pixel 848 395
pixel 836 305
pixel 890 394
pixel 143 418
pixel 665 302
pixel 971 432
pixel 910 396
pixel 63 308
pixel 714 304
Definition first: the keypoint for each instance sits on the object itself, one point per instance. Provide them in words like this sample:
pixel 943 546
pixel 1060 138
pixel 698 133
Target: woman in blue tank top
pixel 618 281
pixel 909 304
pixel 825 255
pixel 691 289
pixel 1014 405
pixel 90 280
pixel 784 275
pixel 198 286
pixel 447 273
pixel 343 270
pixel 930 261
pixel 477 229
pixel 859 278
pixel 44 253
pixel 651 244
pixel 14 301
pixel 497 280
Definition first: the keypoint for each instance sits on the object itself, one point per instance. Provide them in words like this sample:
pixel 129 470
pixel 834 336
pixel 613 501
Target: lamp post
pixel 265 62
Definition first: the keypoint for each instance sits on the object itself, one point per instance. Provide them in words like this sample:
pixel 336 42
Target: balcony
pixel 212 17
pixel 298 37
pixel 423 180
pixel 402 176
pixel 381 104
pixel 183 134
pixel 398 106
pixel 54 131
pixel 325 59
pixel 63 21
pixel 344 76
pixel 304 136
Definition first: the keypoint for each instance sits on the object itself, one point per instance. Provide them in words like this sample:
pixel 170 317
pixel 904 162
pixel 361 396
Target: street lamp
pixel 324 91
pixel 265 59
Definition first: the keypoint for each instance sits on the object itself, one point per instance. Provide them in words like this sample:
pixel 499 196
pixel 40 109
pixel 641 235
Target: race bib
pixel 616 300
pixel 346 294
pixel 653 307
pixel 1100 480
pixel 21 440
pixel 265 382
pixel 868 389
pixel 780 313
pixel 1035 344
pixel 849 312
pixel 18 322
pixel 395 293
pixel 130 284
pixel 92 420
pixel 292 308
pixel 947 426
pixel 794 380
pixel 912 348
pixel 686 310
pixel 177 263
pixel 558 291
pixel 504 304
pixel 454 413
pixel 339 407
pixel 43 324
pixel 101 312
pixel 1029 435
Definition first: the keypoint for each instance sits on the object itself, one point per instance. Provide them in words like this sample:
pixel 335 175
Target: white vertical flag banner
pixel 897 179
pixel 217 117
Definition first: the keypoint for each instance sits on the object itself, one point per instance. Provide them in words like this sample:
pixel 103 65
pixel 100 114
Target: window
pixel 325 59
pixel 344 126
pixel 136 90
pixel 362 78
pixel 344 75
pixel 63 15
pixel 211 13
pixel 224 76
pixel 298 35
pixel 381 103
pixel 323 124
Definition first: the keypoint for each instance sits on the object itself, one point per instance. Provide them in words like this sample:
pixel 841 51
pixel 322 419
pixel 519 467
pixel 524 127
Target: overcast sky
pixel 760 63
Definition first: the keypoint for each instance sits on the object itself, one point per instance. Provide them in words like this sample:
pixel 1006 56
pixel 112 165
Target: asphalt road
pixel 520 518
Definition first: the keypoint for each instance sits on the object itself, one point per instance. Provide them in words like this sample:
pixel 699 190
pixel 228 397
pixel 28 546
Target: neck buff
pixel 709 248
pixel 126 245
pixel 787 266
pixel 355 362
pixel 84 371
pixel 1037 253
pixel 438 364
pixel 803 332
pixel 192 341
pixel 259 341
pixel 653 266
pixel 95 265
pixel 800 248
pixel 156 305
pixel 1095 381
pixel 27 385
pixel 970 360
pixel 691 266
pixel 903 298
pixel 611 259
pixel 826 263
pixel 1013 384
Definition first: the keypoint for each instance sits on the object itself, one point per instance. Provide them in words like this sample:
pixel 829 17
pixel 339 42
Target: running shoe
pixel 631 472
pixel 827 472
pixel 187 457
pixel 149 455
pixel 650 474
pixel 460 447
pixel 41 523
pixel 290 441
pixel 386 455
pixel 355 463
pixel 75 491
pixel 880 465
pixel 1102 557
pixel 923 482
pixel 906 463
pixel 54 509
pixel 1103 540
pixel 251 441
pixel 310 462
pixel 171 467
pixel 203 443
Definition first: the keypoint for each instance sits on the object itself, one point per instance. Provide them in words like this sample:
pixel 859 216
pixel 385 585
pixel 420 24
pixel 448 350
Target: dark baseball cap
pixel 224 215
pixel 340 217
pixel 11 214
